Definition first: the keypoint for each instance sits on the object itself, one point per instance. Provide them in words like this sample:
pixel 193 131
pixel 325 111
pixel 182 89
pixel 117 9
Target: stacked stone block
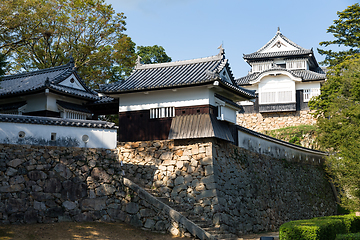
pixel 56 184
pixel 237 190
pixel 260 122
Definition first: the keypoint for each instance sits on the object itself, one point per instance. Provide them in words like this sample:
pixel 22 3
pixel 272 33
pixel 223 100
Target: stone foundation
pixel 238 190
pixel 268 121
pixel 56 184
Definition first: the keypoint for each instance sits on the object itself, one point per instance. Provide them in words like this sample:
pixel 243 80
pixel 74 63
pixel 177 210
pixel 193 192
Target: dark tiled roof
pixel 76 92
pixel 228 100
pixel 44 79
pixel 176 74
pixel 305 75
pixel 199 126
pixel 104 100
pixel 257 55
pixel 56 121
pixel 11 106
pixel 72 106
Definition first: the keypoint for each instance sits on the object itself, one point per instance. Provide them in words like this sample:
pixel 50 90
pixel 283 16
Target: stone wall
pixel 259 193
pixel 235 189
pixel 269 121
pixel 55 184
pixel 238 190
pixel 179 170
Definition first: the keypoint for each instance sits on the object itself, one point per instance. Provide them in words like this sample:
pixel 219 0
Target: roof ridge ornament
pixel 138 61
pixel 47 82
pixel 278 31
pixel 71 61
pixel 221 52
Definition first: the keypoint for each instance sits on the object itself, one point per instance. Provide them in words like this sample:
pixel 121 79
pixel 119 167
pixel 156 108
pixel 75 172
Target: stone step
pixel 213 230
pixel 201 222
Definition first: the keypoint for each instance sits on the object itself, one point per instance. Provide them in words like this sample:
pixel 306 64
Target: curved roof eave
pixel 275 72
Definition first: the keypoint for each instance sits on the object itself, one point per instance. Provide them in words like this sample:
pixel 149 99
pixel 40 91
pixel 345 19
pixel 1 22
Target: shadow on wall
pixel 142 175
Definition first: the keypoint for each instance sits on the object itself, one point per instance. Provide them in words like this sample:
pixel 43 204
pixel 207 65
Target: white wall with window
pixel 226 112
pixel 276 90
pixel 310 89
pixel 261 66
pixel 297 64
pixel 163 112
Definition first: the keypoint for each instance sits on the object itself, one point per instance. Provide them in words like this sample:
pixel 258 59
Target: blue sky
pixel 189 29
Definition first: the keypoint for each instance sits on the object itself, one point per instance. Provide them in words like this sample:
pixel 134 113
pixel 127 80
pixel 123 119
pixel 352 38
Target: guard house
pixel 177 100
pixel 284 75
pixel 54 107
pixel 52 92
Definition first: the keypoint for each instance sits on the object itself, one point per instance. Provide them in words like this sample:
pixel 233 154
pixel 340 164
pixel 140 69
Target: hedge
pixel 348 236
pixel 322 228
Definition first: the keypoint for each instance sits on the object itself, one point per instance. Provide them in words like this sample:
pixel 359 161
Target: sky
pixel 190 29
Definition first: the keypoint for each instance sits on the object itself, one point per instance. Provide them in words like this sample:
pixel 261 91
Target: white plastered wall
pixel 37 134
pixel 180 97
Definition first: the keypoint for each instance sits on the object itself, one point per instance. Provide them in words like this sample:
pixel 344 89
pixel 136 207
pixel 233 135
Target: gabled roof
pixel 279 35
pixel 305 75
pixel 49 78
pixel 200 71
pixel 282 47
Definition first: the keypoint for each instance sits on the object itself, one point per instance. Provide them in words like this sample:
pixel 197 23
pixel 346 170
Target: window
pixel 163 112
pixel 277 97
pixel 259 67
pixel 309 93
pixel 53 137
pixel 296 64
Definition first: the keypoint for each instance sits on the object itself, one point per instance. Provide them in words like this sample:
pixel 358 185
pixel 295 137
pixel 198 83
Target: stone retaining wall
pixel 259 193
pixel 269 121
pixel 238 190
pixel 180 170
pixel 55 184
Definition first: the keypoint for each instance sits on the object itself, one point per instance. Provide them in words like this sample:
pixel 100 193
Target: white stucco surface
pixel 37 134
pixel 164 98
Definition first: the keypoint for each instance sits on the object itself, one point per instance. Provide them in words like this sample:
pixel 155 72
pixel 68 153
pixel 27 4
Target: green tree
pixel 39 34
pixel 337 109
pixel 346 32
pixel 152 54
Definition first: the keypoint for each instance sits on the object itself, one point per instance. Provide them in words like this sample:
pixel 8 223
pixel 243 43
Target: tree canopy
pixel 346 33
pixel 152 54
pixel 337 109
pixel 38 34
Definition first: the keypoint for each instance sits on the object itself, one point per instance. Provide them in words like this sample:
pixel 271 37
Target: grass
pixel 295 134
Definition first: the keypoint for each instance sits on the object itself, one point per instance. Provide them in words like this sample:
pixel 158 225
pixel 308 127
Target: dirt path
pixel 258 235
pixel 79 231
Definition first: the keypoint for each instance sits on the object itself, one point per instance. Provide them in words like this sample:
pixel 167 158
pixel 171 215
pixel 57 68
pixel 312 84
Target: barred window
pixel 163 112
pixel 309 93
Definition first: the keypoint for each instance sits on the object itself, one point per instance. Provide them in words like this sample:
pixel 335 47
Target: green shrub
pixel 348 236
pixel 323 228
